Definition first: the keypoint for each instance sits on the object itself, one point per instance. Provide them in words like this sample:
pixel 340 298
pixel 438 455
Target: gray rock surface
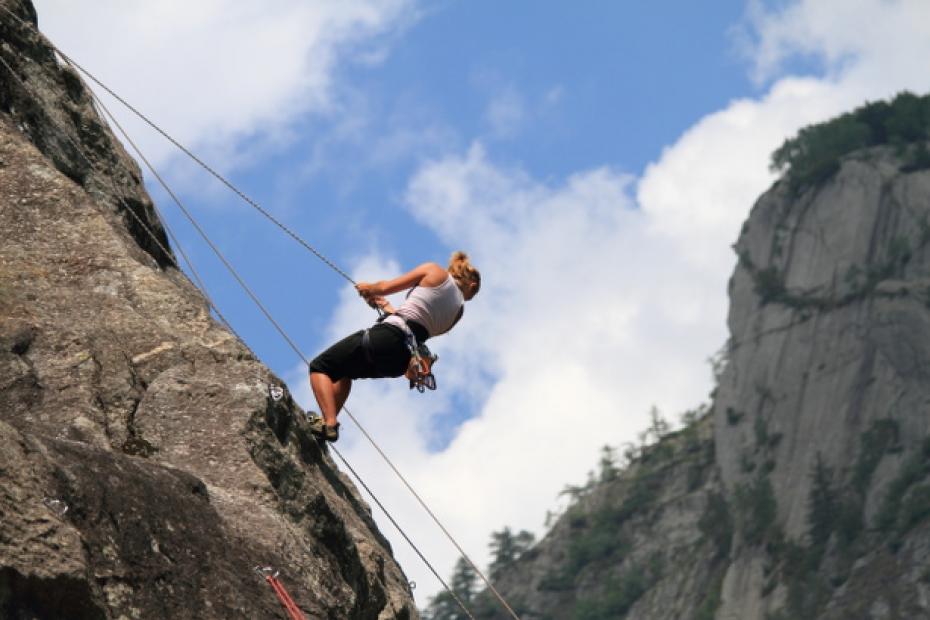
pixel 124 400
pixel 841 347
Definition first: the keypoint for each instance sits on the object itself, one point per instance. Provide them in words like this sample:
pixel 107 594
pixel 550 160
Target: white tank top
pixel 434 307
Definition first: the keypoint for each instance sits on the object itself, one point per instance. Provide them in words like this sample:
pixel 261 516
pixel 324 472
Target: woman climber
pixel 434 304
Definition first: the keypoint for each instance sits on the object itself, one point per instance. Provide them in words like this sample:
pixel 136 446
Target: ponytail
pixel 461 269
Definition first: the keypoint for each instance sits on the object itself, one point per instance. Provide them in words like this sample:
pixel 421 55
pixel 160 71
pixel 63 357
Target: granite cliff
pixel 802 490
pixel 148 460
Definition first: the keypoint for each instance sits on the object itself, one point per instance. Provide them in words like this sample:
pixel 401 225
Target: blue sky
pixel 576 89
pixel 596 159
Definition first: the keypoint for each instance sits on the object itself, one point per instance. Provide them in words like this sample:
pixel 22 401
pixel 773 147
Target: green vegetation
pixel 734 417
pixel 822 504
pixel 835 520
pixel 769 283
pixel 764 439
pixel 808 588
pixel 506 549
pixel 906 504
pixel 608 464
pixel 597 535
pixel 717 524
pixel 800 565
pixel 756 509
pixel 815 153
pixel 707 609
pixel 443 606
pixel 621 593
pixel 598 547
pixel 882 437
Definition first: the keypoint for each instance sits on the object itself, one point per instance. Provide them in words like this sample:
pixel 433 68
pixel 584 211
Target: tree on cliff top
pixel 815 152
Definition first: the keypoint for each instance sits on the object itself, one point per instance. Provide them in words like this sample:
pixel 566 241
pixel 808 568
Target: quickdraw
pixel 420 370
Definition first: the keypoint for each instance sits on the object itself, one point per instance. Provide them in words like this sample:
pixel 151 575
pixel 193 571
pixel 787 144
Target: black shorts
pixel 389 355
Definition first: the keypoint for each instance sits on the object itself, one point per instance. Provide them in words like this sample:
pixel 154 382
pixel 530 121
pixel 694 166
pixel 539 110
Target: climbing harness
pixel 424 359
pixel 420 367
pixel 270 575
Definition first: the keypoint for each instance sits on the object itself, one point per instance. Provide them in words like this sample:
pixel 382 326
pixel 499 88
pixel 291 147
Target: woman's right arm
pixel 427 274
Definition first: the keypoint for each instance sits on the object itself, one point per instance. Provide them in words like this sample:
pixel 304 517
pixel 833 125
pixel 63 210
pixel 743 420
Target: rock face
pixel 805 491
pixel 146 467
pixel 826 395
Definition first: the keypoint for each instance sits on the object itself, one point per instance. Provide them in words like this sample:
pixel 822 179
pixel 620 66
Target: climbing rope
pixel 293 346
pixel 284 335
pixel 200 230
pixel 258 303
pixel 271 576
pixel 402 533
pixel 277 326
pixel 208 168
pixel 435 519
pixel 80 150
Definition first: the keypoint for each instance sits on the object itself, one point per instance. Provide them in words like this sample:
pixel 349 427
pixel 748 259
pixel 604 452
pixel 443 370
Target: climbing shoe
pixel 322 430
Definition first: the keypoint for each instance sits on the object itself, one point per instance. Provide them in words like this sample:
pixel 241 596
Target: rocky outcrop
pixel 823 406
pixel 811 495
pixel 149 460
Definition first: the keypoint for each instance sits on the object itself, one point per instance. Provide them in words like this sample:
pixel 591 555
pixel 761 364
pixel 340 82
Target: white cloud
pixel 505 113
pixel 510 112
pixel 700 188
pixel 602 296
pixel 214 73
pixel 881 40
pixel 585 320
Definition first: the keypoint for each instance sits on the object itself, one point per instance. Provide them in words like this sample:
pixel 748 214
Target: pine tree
pixel 463 580
pixel 503 551
pixel 524 541
pixel 822 503
pixel 608 463
pixel 443 606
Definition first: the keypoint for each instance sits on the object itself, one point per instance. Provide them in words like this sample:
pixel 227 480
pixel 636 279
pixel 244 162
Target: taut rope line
pixel 254 297
pixel 280 330
pixel 79 149
pixel 206 167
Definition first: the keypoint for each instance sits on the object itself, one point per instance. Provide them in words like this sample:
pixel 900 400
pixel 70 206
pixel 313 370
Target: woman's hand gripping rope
pixel 369 292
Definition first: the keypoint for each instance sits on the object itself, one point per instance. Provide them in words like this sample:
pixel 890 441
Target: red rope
pixel 292 609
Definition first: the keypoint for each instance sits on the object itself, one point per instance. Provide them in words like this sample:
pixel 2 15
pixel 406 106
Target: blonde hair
pixel 461 269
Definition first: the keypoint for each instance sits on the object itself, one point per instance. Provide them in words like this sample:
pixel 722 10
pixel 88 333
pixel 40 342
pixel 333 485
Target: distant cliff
pixel 148 461
pixel 804 491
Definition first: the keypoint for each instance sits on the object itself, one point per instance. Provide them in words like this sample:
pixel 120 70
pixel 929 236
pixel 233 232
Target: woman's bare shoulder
pixel 433 274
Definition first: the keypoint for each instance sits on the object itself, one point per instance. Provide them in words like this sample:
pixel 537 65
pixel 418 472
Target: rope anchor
pixel 56 505
pixel 275 391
